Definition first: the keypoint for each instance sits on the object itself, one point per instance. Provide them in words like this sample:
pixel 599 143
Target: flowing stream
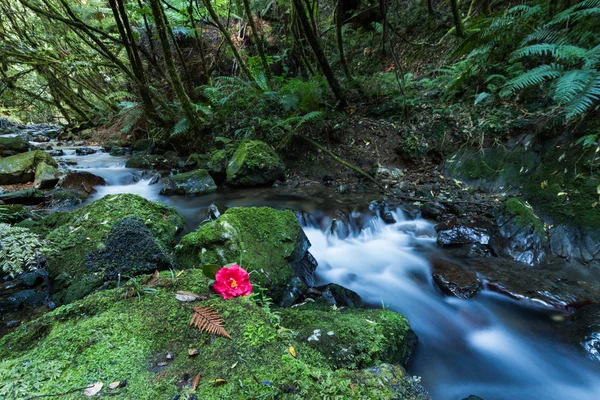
pixel 488 346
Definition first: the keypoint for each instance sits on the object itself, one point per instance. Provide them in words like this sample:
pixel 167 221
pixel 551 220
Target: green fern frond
pixel 560 52
pixel 570 84
pixel 585 100
pixel 181 127
pixel 532 77
pixel 481 97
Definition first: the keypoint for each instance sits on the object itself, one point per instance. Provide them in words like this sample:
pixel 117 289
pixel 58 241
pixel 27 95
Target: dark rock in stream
pixel 57 153
pixel 192 183
pixel 85 151
pixel 27 297
pixel 460 235
pixel 455 280
pixel 119 151
pixel 433 210
pixel 12 145
pixel 81 180
pixel 584 330
pixel 339 296
pixel 27 197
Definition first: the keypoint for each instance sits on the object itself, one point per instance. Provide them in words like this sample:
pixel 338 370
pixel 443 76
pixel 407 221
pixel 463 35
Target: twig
pixel 341 161
pixel 59 394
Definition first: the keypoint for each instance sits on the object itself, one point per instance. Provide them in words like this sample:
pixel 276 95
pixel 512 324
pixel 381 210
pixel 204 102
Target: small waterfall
pixel 489 346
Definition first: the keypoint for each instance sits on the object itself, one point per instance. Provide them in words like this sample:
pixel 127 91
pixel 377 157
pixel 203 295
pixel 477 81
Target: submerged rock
pixel 254 163
pixel 191 183
pixel 584 330
pixel 21 167
pixel 460 235
pixel 454 280
pixel 85 151
pixel 261 239
pixel 85 233
pixel 128 337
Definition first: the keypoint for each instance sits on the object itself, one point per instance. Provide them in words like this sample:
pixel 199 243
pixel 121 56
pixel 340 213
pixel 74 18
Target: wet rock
pixel 130 249
pixel 581 244
pixel 521 234
pixel 453 280
pixel 85 151
pixel 248 231
pixel 547 286
pixel 142 145
pixel 388 217
pixel 447 224
pixel 154 179
pixel 254 163
pixel 26 197
pixel 27 297
pixel 46 176
pixel 65 198
pixel 433 210
pixel 217 166
pixel 12 145
pixel 130 179
pixel 118 151
pixel 21 167
pixel 460 235
pixel 213 212
pixel 191 183
pixel 395 377
pixel 153 161
pixel 41 139
pixel 81 180
pixel 339 296
pixel 584 330
pixel 57 153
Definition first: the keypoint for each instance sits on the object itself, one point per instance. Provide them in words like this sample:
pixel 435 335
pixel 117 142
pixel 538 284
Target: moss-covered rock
pixel 254 163
pixel 25 196
pixel 13 214
pixel 191 183
pixel 21 167
pixel 13 145
pixel 115 335
pixel 46 176
pixel 88 230
pixel 267 242
pixel 217 165
pixel 153 161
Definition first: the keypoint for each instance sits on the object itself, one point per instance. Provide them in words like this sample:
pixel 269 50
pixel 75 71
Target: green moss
pixel 86 229
pixel 15 144
pixel 13 214
pixel 523 214
pixel 254 163
pixel 46 176
pixel 21 167
pixel 111 337
pixel 191 183
pixel 260 239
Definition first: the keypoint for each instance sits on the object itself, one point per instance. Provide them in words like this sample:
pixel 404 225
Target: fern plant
pixel 20 250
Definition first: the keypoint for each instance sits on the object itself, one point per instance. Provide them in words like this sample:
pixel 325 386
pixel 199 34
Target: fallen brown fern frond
pixel 208 320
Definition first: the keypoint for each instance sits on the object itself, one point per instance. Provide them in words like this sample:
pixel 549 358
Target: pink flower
pixel 232 281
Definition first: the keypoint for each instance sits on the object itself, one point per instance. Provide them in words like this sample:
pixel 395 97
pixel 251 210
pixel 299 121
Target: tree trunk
pixel 456 16
pixel 339 19
pixel 256 39
pixel 315 45
pixel 176 84
pixel 227 38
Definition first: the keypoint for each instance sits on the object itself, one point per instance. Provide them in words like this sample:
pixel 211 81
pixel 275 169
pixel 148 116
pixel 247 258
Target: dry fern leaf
pixel 208 320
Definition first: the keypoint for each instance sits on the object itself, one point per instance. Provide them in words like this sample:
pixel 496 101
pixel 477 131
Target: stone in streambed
pixel 21 167
pixel 84 151
pixel 46 176
pixel 191 183
pixel 254 163
pixel 12 145
pixel 26 197
pixel 83 244
pixel 454 280
pixel 81 180
pixel 264 240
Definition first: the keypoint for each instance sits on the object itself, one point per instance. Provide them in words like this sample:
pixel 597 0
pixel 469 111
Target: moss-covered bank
pixel 114 335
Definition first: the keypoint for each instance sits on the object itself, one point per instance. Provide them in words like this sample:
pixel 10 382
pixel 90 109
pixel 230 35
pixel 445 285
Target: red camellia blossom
pixel 232 281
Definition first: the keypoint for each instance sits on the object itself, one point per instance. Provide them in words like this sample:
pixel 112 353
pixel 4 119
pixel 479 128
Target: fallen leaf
pixel 219 382
pixel 119 384
pixel 179 274
pixel 93 389
pixel 196 381
pixel 188 296
pixel 293 352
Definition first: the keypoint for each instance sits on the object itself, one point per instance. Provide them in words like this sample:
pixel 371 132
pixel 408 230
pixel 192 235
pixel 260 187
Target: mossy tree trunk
pixel 456 16
pixel 256 39
pixel 318 50
pixel 176 84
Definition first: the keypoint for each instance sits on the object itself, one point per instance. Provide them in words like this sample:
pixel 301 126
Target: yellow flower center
pixel 233 283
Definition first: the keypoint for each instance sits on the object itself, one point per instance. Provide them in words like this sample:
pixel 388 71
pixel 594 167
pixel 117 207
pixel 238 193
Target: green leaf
pixel 210 270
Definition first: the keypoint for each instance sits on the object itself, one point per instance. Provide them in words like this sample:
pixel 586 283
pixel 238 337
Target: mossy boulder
pixel 46 176
pixel 20 168
pixel 217 165
pixel 115 335
pixel 153 161
pixel 25 196
pixel 254 163
pixel 87 242
pixel 13 214
pixel 13 145
pixel 268 243
pixel 191 183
